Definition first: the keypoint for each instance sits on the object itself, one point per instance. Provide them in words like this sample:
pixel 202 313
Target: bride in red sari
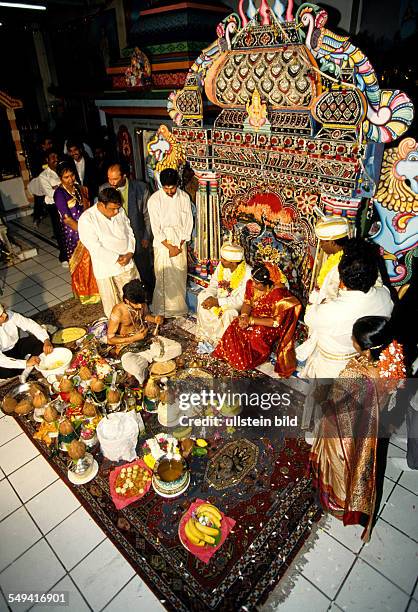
pixel 269 315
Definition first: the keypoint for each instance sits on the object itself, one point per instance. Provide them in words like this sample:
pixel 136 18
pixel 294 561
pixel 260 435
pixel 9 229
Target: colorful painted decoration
pixel 301 125
pixel 138 74
pixel 396 202
pixel 389 113
pixel 165 151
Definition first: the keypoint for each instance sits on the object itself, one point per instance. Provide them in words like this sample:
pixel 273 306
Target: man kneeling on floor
pixel 128 331
pixel 17 354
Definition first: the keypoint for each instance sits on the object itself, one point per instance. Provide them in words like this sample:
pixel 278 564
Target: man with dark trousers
pixel 135 196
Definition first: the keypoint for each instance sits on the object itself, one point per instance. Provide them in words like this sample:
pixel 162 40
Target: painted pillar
pixel 24 172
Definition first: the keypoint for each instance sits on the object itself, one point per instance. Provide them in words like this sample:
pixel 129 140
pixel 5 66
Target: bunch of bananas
pixel 204 527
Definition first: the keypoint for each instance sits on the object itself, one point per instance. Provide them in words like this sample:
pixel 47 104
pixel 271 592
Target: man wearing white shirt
pixel 105 231
pixel 14 350
pixel 48 182
pixel 331 323
pixel 171 220
pixel 222 300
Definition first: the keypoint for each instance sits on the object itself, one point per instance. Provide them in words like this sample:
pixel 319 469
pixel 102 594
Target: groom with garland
pixel 221 302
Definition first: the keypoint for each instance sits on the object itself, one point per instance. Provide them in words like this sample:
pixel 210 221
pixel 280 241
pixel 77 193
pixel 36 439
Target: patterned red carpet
pixel 272 504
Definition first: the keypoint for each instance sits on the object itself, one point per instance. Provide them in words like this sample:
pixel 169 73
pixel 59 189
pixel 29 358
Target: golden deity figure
pixel 257 114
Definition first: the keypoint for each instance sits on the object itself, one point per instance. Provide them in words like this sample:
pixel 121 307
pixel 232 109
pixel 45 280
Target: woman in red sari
pixel 269 315
pixel 343 458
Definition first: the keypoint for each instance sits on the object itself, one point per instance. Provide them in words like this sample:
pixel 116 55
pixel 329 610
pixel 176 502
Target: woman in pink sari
pixel 268 316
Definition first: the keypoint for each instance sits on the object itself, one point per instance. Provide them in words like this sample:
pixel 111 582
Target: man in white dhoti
pixel 332 232
pixel 331 323
pixel 128 331
pixel 171 219
pixel 221 302
pixel 105 231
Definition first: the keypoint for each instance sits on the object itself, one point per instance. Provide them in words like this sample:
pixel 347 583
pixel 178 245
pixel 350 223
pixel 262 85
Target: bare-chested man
pixel 128 327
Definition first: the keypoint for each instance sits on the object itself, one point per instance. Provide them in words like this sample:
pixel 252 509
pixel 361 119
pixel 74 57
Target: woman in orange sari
pixel 71 202
pixel 343 457
pixel 269 315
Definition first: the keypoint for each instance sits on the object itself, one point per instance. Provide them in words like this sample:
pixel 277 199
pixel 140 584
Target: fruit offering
pixel 132 481
pixel 204 527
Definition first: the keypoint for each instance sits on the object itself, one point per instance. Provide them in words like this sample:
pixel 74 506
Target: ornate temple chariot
pixel 302 123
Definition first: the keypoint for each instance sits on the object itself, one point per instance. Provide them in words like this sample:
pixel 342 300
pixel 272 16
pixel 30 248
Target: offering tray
pixel 124 499
pixel 22 391
pixel 167 495
pixel 68 335
pixel 171 477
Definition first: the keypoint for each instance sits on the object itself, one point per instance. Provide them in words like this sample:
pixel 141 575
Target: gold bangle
pixel 276 324
pixel 251 321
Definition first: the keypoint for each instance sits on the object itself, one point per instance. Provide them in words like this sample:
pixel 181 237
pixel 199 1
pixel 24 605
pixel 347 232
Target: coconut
pixel 151 390
pixel 89 410
pixel 113 396
pixel 76 450
pixel 9 404
pixel 23 407
pixel 34 389
pixel 97 385
pixel 85 373
pixel 186 447
pixel 50 414
pixel 65 428
pixel 66 385
pixel 39 400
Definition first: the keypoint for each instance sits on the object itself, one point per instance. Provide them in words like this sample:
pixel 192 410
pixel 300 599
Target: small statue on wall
pixel 138 74
pixel 257 120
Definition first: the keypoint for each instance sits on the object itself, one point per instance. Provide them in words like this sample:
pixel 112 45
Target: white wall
pixel 12 193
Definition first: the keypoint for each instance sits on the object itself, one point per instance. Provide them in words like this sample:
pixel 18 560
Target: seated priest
pixel 17 354
pixel 221 302
pixel 128 331
pixel 268 317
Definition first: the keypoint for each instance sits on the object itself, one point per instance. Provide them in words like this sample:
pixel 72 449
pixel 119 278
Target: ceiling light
pixel 35 7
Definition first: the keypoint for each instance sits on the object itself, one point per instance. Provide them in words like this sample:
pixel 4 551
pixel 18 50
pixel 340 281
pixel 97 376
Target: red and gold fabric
pixel 82 278
pixel 245 349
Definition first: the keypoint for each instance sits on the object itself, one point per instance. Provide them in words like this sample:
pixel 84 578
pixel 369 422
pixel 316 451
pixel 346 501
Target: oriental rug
pixel 273 505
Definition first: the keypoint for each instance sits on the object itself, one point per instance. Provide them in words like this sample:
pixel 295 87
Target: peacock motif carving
pixel 389 113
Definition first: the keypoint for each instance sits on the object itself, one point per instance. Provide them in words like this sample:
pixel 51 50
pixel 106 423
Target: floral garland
pixel 332 261
pixel 391 362
pixel 225 288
